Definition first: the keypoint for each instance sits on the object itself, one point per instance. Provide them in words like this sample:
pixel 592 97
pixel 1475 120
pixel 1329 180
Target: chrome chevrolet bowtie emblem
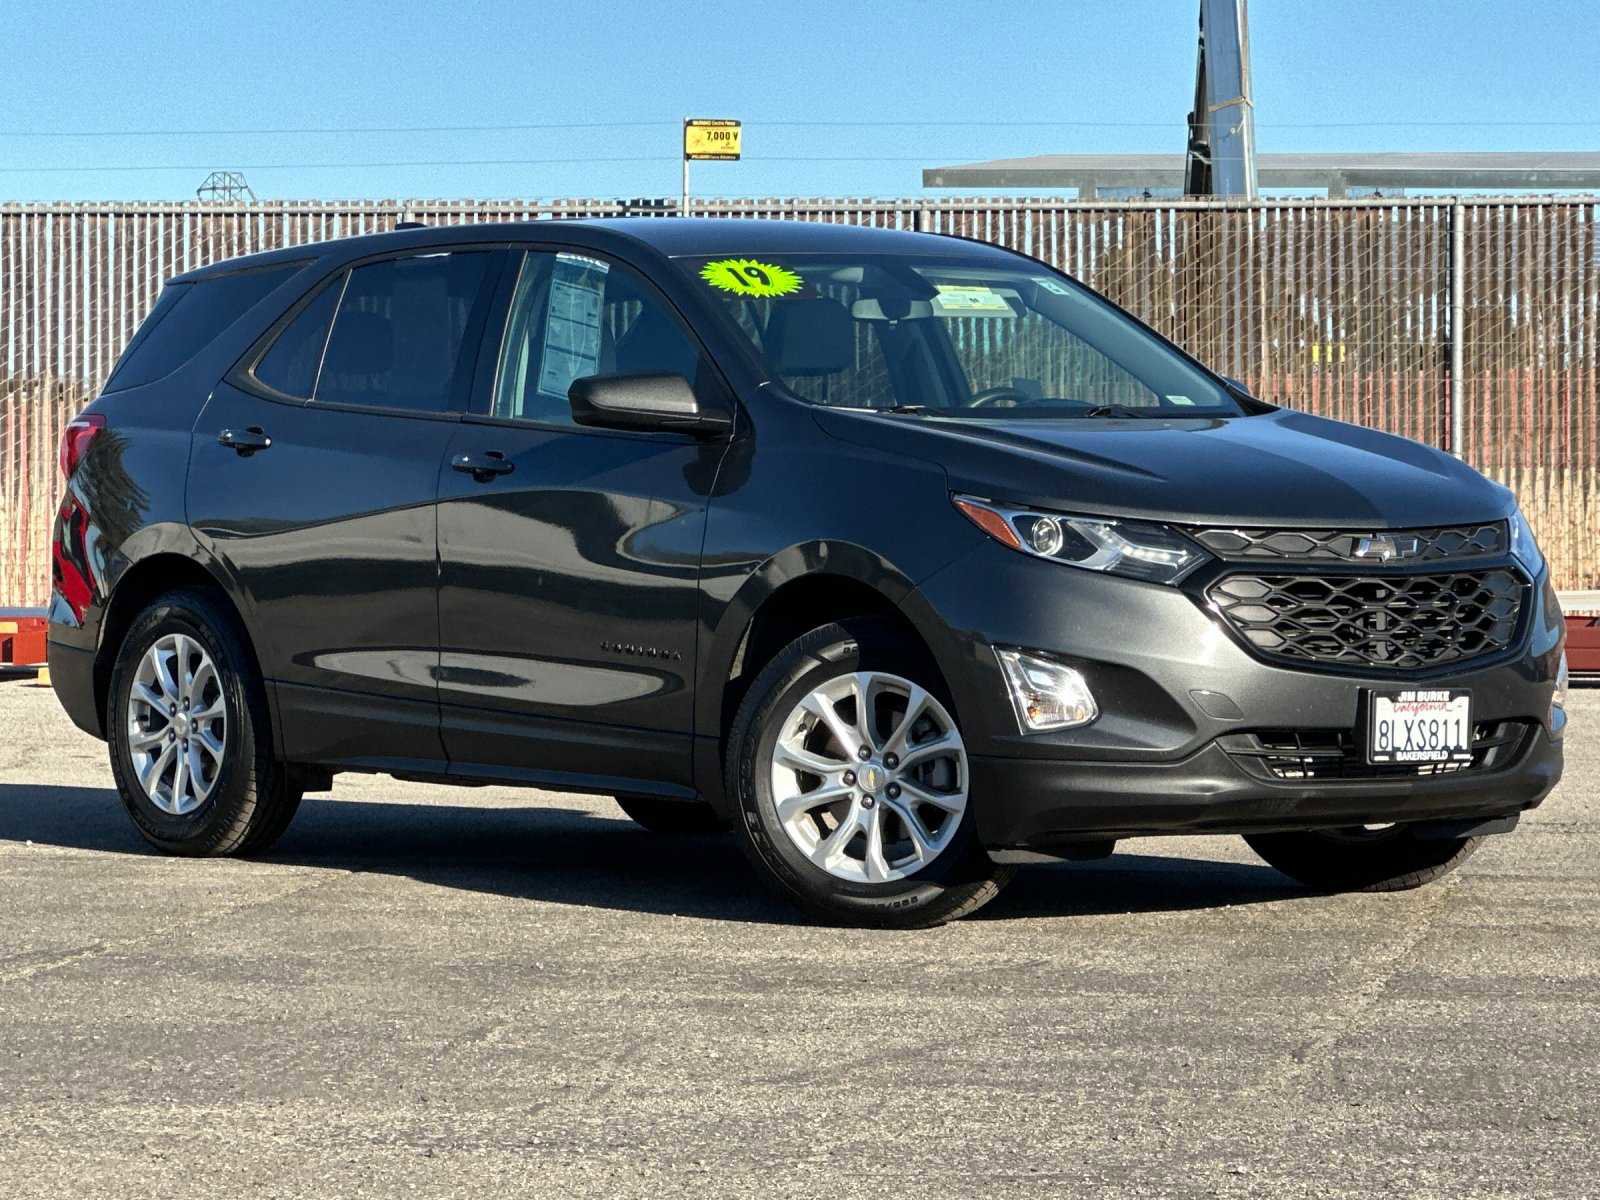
pixel 1383 547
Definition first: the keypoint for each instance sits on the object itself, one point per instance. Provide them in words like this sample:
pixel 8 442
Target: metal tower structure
pixel 225 185
pixel 1222 128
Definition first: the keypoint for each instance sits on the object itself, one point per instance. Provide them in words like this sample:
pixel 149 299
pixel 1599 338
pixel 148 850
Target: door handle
pixel 245 441
pixel 483 467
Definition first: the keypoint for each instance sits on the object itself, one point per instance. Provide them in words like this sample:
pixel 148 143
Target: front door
pixel 569 557
pixel 313 478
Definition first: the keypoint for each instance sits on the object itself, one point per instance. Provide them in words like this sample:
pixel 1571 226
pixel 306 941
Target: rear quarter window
pixel 186 319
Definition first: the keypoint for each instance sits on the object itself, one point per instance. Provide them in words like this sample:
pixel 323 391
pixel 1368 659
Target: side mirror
pixel 656 403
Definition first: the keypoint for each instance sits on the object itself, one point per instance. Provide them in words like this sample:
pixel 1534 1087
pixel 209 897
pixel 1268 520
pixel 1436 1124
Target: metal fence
pixel 1471 324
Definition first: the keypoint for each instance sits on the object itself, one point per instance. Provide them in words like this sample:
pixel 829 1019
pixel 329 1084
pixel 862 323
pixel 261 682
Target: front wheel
pixel 852 783
pixel 1389 858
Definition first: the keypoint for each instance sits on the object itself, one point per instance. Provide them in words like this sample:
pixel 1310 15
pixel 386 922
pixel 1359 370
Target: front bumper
pixel 1038 804
pixel 1176 692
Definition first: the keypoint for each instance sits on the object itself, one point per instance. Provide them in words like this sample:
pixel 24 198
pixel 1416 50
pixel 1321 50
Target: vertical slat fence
pixel 1342 308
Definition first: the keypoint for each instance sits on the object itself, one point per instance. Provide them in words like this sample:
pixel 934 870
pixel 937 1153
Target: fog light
pixel 1046 695
pixel 1558 701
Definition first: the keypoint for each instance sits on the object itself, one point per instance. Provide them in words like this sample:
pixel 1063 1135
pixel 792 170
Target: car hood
pixel 1281 467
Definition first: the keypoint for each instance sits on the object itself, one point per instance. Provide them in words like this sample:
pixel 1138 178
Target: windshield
pixel 956 337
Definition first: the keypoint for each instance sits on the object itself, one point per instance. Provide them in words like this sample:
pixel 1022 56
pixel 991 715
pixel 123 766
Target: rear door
pixel 569 556
pixel 313 480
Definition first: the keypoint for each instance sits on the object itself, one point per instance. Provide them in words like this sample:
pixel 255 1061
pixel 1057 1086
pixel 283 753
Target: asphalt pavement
pixel 427 991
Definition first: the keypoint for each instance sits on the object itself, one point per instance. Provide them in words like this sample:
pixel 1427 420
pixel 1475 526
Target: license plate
pixel 1420 725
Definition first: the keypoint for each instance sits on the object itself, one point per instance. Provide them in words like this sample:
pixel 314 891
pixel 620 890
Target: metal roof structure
pixel 1337 173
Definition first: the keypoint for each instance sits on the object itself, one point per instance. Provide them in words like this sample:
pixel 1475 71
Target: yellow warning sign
pixel 711 139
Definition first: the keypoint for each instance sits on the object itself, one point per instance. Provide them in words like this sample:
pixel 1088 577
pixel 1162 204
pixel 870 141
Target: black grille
pixel 1334 754
pixel 1435 544
pixel 1391 622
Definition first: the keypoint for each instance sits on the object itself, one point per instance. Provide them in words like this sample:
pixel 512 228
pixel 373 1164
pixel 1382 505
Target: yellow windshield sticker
pixel 970 299
pixel 747 277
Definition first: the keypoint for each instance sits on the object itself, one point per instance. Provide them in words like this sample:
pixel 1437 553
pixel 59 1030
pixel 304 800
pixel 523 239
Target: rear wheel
pixel 852 784
pixel 189 734
pixel 671 816
pixel 1389 858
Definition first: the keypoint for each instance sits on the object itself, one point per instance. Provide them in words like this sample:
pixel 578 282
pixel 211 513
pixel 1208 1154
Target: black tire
pixel 1360 860
pixel 671 816
pixel 959 881
pixel 262 838
pixel 251 800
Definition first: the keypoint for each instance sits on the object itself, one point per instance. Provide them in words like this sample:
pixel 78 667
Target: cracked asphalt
pixel 427 991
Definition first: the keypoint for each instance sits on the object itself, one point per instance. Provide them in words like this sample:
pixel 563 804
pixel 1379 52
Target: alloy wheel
pixel 869 775
pixel 177 724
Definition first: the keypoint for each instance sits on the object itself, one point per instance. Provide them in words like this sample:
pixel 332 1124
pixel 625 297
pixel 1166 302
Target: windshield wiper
pixel 1118 410
pixel 905 408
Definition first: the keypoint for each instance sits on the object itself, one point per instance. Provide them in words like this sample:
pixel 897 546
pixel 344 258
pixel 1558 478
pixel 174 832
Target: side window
pixel 573 316
pixel 399 337
pixel 186 319
pixel 290 365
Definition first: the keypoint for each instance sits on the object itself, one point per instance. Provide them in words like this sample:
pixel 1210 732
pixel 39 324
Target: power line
pixel 333 129
pixel 317 166
pixel 1159 124
pixel 465 162
pixel 582 160
pixel 528 127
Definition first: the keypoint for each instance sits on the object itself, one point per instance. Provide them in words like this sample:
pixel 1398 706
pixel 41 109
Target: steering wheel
pixel 1003 396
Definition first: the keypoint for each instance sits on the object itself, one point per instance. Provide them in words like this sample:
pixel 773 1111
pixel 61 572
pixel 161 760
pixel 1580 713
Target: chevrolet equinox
pixel 907 557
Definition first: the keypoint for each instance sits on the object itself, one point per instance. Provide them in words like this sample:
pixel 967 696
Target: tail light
pixel 75 439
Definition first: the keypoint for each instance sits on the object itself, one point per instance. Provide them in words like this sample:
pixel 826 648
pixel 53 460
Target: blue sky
pixel 1122 72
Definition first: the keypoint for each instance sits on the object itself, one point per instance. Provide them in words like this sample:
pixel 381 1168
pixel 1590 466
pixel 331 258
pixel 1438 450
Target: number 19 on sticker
pixel 747 277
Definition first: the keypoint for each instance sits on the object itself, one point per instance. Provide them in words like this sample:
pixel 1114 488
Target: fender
pixel 726 628
pixel 173 540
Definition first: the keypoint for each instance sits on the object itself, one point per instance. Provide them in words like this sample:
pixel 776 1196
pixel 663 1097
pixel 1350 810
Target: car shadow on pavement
pixel 569 856
pixel 1130 882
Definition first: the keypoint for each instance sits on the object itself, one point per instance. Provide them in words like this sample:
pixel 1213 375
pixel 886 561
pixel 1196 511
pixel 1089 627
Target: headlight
pixel 1138 549
pixel 1523 546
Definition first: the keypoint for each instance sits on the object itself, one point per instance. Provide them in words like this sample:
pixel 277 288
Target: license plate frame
pixel 1418 726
